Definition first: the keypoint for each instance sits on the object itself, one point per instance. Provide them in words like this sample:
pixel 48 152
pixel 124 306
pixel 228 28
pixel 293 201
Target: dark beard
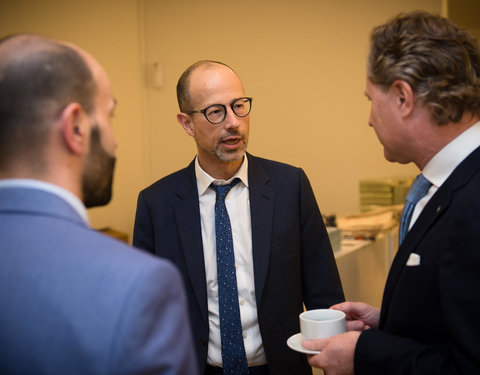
pixel 97 178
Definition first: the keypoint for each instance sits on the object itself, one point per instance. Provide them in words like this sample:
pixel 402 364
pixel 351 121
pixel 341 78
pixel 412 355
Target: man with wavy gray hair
pixel 423 82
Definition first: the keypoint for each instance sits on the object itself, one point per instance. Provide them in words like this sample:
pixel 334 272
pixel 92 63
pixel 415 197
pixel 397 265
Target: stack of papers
pixel 367 225
pixel 376 193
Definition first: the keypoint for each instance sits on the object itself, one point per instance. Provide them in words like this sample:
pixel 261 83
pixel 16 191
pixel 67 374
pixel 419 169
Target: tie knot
pixel 222 190
pixel 418 189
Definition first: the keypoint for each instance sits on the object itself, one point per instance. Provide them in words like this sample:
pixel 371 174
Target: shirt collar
pixel 204 180
pixel 448 158
pixel 66 195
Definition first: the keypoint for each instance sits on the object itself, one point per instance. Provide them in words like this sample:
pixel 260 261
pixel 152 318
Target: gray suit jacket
pixel 73 301
pixel 292 256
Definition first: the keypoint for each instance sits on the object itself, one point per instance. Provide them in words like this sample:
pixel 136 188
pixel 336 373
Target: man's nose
pixel 231 119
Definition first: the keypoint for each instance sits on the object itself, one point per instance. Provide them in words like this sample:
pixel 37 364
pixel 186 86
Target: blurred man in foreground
pixel 73 301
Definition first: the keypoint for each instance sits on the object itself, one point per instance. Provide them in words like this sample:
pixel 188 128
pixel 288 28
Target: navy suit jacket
pixel 73 301
pixel 292 256
pixel 429 322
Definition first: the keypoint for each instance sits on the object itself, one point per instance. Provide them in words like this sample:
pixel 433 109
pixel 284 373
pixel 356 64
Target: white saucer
pixel 295 342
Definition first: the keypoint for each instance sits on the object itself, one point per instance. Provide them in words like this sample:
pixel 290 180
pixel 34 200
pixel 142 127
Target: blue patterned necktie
pixel 234 358
pixel 417 191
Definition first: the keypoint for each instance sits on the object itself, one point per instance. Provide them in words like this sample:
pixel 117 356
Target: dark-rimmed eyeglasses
pixel 216 113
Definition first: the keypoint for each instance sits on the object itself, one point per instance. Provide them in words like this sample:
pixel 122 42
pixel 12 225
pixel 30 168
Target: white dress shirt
pixel 441 166
pixel 66 195
pixel 238 207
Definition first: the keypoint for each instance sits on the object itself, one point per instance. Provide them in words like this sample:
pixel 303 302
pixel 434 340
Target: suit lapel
pixel 434 209
pixel 187 216
pixel 262 200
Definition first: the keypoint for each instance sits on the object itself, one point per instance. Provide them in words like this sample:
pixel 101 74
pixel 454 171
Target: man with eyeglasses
pixel 265 243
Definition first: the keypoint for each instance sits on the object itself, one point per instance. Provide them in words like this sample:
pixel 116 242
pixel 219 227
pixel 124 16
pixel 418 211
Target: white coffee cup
pixel 321 323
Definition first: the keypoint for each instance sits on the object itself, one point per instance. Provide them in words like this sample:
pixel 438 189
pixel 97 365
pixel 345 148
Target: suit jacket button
pixel 203 343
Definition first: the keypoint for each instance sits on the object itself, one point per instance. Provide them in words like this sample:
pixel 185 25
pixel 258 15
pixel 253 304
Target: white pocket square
pixel 413 260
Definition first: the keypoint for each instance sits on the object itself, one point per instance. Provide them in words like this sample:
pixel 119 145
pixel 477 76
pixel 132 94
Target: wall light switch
pixel 157 76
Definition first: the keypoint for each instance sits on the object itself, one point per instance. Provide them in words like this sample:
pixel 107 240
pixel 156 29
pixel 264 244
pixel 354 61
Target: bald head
pixel 38 78
pixel 183 86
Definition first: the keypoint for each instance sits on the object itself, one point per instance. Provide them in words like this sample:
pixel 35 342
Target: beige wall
pixel 466 14
pixel 303 62
pixel 110 31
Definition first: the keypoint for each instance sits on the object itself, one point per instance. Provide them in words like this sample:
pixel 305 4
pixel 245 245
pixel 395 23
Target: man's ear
pixel 73 122
pixel 404 96
pixel 186 122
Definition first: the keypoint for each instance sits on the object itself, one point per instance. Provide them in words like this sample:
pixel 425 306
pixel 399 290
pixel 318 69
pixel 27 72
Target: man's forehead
pixel 214 77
